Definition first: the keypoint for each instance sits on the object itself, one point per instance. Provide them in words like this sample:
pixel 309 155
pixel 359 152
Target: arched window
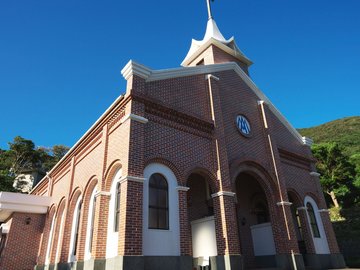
pixel 117 207
pixel 58 247
pixel 313 222
pixel 51 235
pixel 75 231
pixel 90 224
pixel 158 202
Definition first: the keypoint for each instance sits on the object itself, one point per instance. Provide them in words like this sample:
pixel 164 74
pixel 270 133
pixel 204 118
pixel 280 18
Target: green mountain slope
pixel 345 131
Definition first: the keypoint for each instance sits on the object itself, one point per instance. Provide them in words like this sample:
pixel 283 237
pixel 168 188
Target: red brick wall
pixel 181 134
pixel 23 241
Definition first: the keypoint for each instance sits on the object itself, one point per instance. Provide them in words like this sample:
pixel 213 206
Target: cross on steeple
pixel 209 9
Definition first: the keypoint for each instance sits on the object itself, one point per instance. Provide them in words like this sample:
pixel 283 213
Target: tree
pixel 58 151
pixel 337 173
pixel 355 160
pixel 6 181
pixel 49 156
pixel 22 155
pixel 24 164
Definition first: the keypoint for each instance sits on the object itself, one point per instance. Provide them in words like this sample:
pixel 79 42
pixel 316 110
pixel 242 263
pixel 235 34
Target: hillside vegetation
pixel 346 220
pixel 345 131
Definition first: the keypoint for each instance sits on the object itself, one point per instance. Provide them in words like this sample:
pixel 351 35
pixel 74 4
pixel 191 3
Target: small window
pixel 117 207
pixel 313 223
pixel 200 63
pixel 261 212
pixel 158 202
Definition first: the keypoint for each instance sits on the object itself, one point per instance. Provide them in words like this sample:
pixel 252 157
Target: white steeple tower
pixel 213 37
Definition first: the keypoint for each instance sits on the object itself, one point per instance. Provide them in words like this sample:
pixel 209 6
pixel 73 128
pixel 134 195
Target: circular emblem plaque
pixel 243 125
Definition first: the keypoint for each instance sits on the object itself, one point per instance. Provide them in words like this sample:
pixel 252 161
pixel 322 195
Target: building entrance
pixel 255 229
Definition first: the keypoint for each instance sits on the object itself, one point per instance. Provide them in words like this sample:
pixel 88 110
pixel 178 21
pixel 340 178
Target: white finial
pixel 209 9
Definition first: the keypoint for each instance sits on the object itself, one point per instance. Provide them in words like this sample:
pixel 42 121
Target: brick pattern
pixel 22 256
pixel 191 130
pixel 185 229
pixel 100 227
pixel 221 57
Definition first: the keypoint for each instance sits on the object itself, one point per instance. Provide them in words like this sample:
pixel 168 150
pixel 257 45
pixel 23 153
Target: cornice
pixel 157 109
pixel 132 179
pixel 92 132
pixel 307 141
pixel 315 174
pixel 133 68
pixel 223 193
pixel 285 154
pixel 182 188
pixel 284 203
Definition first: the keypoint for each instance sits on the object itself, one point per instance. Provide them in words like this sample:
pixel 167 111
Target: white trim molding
pixel 104 193
pixel 134 117
pixel 307 141
pixel 108 110
pixel 132 178
pixel 90 224
pixel 182 188
pixel 261 104
pixel 210 76
pixel 156 75
pixel 284 203
pixel 223 193
pixel 315 174
pixel 133 68
pixel 323 211
pixel 301 208
pixel 16 202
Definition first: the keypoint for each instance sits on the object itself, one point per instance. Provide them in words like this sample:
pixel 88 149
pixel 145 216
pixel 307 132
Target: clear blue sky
pixel 60 61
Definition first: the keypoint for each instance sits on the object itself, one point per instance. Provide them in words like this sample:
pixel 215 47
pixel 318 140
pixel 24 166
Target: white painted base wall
pixel 204 239
pixel 263 239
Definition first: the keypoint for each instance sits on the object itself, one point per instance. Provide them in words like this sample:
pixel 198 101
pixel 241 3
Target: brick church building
pixel 192 167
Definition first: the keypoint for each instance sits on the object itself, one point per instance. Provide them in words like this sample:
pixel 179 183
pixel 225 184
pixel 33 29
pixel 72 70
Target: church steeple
pixel 214 48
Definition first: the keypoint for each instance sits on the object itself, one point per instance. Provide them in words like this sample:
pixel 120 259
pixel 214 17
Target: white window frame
pixel 51 235
pixel 90 224
pixel 61 232
pixel 167 241
pixel 112 236
pixel 320 243
pixel 75 221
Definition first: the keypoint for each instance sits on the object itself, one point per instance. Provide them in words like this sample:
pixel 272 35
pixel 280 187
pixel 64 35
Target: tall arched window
pixel 58 248
pixel 75 231
pixel 90 224
pixel 112 231
pixel 158 202
pixel 117 207
pixel 51 235
pixel 313 222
